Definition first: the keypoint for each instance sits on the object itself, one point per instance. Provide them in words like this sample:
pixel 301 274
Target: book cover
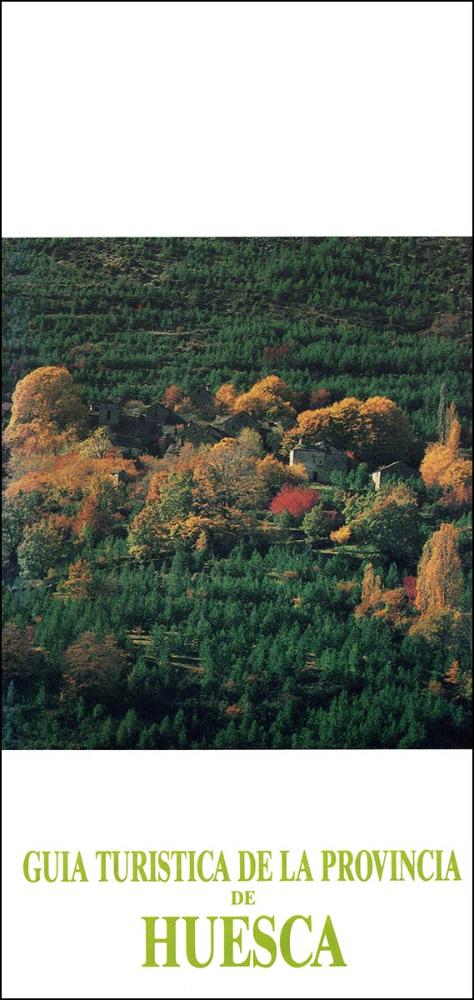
pixel 236 534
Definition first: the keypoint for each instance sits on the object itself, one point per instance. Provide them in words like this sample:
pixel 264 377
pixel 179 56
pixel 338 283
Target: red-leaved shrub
pixel 295 500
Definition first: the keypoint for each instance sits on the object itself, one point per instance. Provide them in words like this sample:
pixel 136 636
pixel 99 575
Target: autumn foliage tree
pixel 173 397
pixel 44 401
pixel 371 594
pixel 439 583
pixel 78 584
pixel 275 474
pixel 390 604
pixel 376 430
pixel 342 535
pixel 294 500
pixel 95 518
pixel 319 398
pixel 443 465
pixel 269 398
pixel 226 478
pixel 225 398
pixel 439 590
pixel 95 668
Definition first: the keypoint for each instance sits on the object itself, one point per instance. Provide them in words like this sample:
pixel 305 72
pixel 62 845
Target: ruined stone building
pixel 396 470
pixel 136 426
pixel 320 460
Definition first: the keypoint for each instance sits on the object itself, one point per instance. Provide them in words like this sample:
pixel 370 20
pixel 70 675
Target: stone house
pixel 166 418
pixel 233 423
pixel 320 460
pixel 201 397
pixel 136 426
pixel 396 470
pixel 199 433
pixel 109 412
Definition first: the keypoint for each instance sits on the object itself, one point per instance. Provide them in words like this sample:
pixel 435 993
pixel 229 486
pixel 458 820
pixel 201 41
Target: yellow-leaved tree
pixel 375 430
pixel 443 465
pixel 439 582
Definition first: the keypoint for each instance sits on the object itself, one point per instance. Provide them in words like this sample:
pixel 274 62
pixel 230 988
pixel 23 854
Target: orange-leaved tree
pixel 269 398
pixel 371 592
pixel 391 604
pixel 95 667
pixel 439 591
pixel 48 396
pixel 225 397
pixel 443 465
pixel 226 478
pixel 439 582
pixel 78 584
pixel 376 430
pixel 172 397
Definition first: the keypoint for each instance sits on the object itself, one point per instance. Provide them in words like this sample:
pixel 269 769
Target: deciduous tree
pixel 172 397
pixel 376 430
pixel 47 395
pixel 45 545
pixel 439 583
pixel 95 668
pixel 226 478
pixel 97 445
pixel 275 474
pixel 78 584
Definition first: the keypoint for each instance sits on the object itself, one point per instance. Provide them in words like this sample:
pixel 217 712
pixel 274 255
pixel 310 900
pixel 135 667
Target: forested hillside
pixel 358 317
pixel 176 573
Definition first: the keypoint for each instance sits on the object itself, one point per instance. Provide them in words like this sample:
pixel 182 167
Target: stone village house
pixel 233 423
pixel 135 426
pixel 396 470
pixel 320 460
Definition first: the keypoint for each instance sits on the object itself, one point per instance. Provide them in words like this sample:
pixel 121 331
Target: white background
pixel 87 940
pixel 236 119
pixel 283 119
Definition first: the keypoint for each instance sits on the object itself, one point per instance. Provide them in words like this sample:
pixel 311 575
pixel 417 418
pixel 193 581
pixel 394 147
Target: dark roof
pixel 205 428
pixel 318 446
pixel 164 414
pixel 398 463
pixel 219 421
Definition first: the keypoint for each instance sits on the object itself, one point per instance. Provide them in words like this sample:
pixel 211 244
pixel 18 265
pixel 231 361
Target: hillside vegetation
pixel 358 317
pixel 197 590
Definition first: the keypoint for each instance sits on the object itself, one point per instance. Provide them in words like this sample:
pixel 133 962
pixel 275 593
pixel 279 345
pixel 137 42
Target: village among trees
pixel 237 494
